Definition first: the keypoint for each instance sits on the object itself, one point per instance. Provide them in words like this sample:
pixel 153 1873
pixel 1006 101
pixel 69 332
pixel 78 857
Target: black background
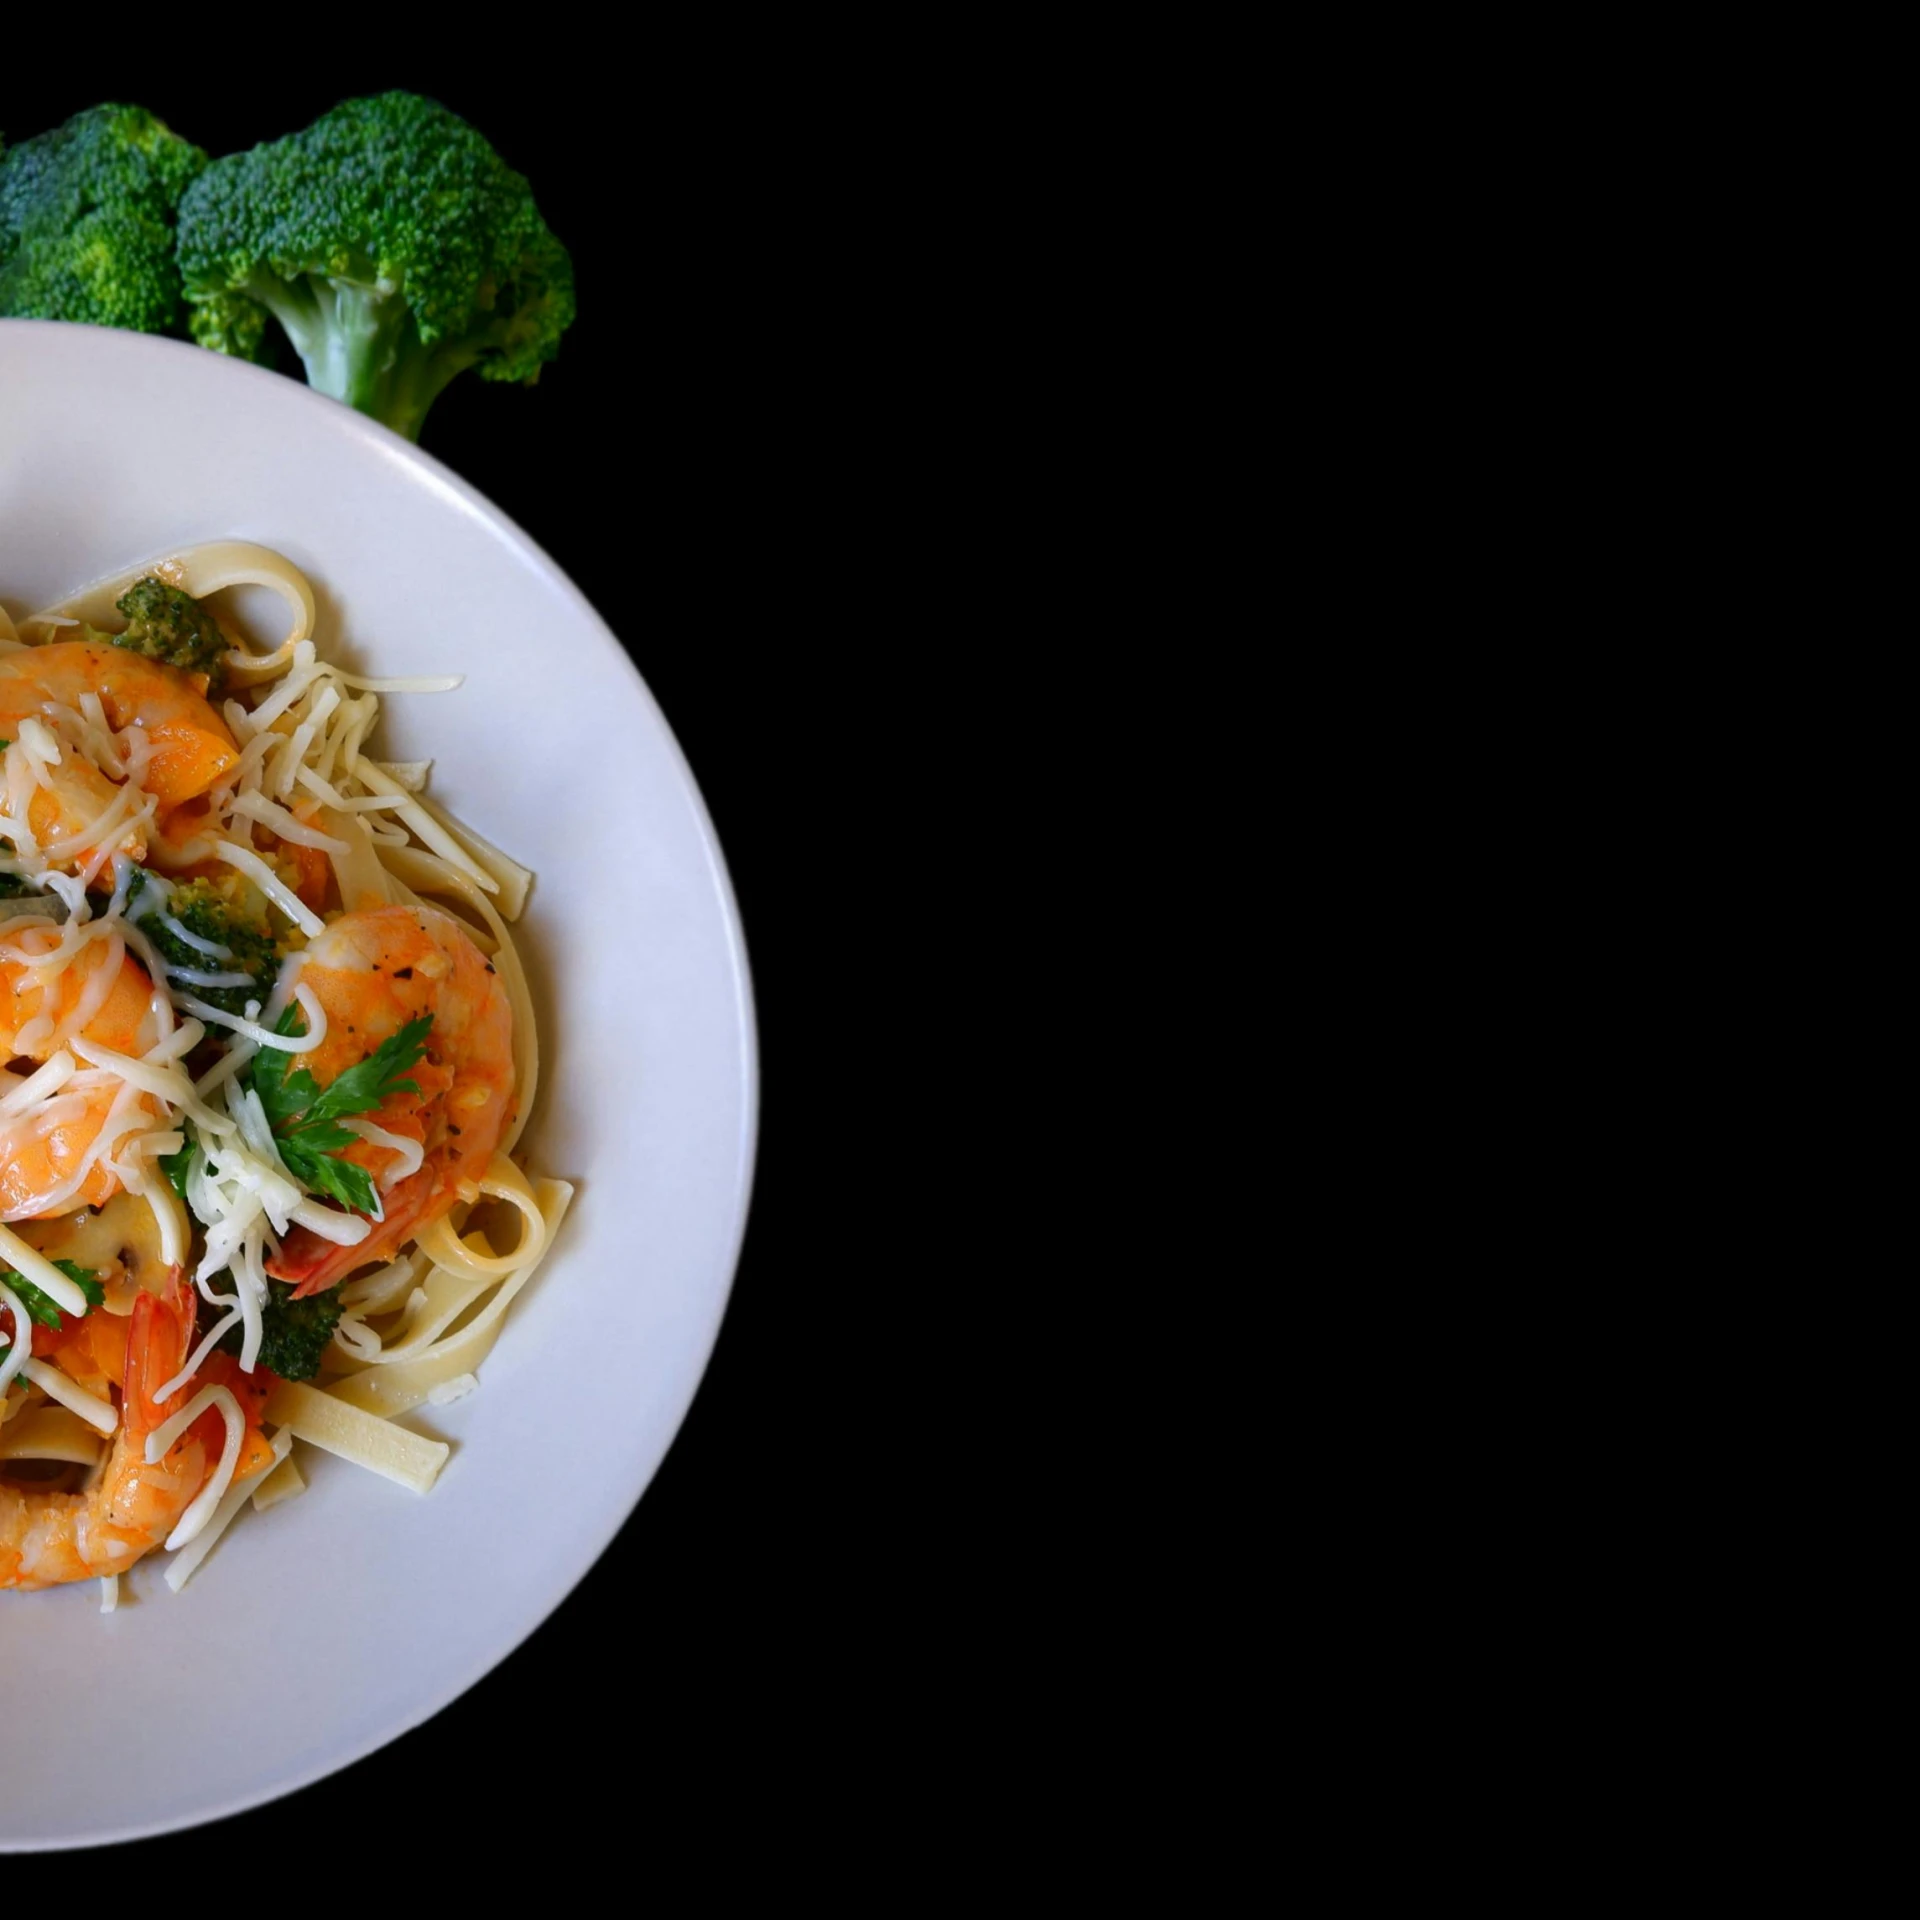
pixel 643 463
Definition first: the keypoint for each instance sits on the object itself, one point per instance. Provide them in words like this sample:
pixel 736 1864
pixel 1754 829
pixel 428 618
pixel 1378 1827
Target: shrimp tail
pixel 158 1341
pixel 313 1264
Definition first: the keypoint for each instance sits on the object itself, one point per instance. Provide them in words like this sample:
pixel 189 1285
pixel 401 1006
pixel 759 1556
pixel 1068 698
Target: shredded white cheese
pixel 161 1442
pixel 97 1413
pixel 186 1562
pixel 30 1264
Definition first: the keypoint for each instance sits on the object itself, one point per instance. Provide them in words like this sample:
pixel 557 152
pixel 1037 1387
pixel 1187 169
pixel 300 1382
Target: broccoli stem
pixel 361 346
pixel 347 334
pixel 416 380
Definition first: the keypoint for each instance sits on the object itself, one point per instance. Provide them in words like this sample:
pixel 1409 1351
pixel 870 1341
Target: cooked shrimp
pixel 47 1539
pixel 104 995
pixel 373 972
pixel 181 750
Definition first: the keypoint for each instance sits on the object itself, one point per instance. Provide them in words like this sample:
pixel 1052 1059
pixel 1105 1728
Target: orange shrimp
pixel 47 1539
pixel 374 971
pixel 41 1150
pixel 190 748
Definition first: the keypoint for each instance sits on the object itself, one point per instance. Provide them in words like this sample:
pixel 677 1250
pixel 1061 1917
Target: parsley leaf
pixel 42 1310
pixel 268 1071
pixel 305 1118
pixel 338 1179
pixel 178 1167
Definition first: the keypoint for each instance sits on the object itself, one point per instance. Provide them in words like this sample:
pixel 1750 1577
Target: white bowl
pixel 179 1709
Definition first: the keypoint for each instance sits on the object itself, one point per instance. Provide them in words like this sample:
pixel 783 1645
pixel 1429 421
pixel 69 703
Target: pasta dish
pixel 266 1052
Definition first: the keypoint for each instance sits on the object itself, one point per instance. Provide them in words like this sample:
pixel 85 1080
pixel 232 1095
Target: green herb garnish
pixel 42 1310
pixel 305 1118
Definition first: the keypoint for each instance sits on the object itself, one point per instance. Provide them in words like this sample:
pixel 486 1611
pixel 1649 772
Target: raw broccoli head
pixel 395 247
pixel 232 324
pixel 87 222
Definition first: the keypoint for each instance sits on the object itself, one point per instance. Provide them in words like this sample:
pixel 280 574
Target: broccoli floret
pixel 232 324
pixel 163 623
pixel 395 247
pixel 294 1333
pixel 221 913
pixel 87 222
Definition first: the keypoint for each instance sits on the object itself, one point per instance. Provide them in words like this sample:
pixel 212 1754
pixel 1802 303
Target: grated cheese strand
pixel 186 1562
pixel 20 1351
pixel 31 1264
pixel 97 1413
pixel 263 876
pixel 162 1442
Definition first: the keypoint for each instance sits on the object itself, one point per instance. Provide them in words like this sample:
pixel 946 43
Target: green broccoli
pixel 220 912
pixel 294 1333
pixel 232 324
pixel 395 247
pixel 87 222
pixel 165 624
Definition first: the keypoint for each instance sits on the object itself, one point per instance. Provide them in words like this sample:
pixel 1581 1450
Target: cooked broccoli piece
pixel 221 913
pixel 294 1333
pixel 165 624
pixel 87 222
pixel 395 247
